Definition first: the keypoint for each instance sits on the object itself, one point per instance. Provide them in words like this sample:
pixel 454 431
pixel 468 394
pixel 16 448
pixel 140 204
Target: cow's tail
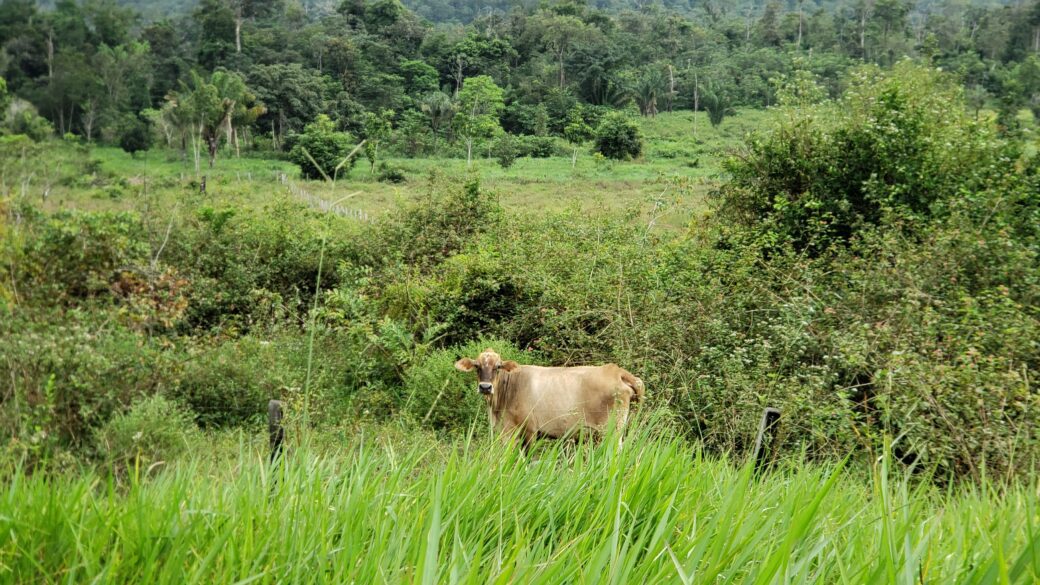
pixel 635 384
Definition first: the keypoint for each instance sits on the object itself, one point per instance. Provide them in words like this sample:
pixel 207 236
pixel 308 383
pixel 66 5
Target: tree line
pixel 256 72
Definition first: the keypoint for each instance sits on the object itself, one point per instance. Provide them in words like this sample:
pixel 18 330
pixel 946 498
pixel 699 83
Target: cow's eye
pixel 498 367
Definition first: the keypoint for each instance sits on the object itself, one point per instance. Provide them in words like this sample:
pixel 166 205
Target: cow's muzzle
pixel 484 387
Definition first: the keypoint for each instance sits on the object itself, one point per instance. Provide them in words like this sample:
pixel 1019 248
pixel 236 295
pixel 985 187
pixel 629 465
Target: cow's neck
pixel 499 399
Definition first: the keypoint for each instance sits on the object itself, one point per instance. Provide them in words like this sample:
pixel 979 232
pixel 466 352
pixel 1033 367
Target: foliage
pixel 390 174
pixel 506 150
pixel 436 225
pixel 154 431
pixel 618 137
pixel 480 102
pixel 537 146
pixel 135 136
pixel 828 172
pixel 716 101
pixel 377 129
pixel 577 132
pixel 5 99
pixel 320 143
pixel 26 121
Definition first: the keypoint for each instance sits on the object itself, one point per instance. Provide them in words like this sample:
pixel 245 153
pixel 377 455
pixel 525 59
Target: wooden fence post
pixel 766 431
pixel 275 430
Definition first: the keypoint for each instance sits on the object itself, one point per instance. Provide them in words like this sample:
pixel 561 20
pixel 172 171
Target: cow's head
pixel 488 366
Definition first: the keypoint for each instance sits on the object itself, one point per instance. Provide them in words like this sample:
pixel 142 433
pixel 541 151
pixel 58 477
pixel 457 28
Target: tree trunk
pixel 863 34
pixel 671 87
pixel 195 139
pixel 212 143
pixel 561 69
pixel 50 54
pixel 696 103
pixel 458 75
pixel 800 18
pixel 574 157
pixel 238 31
pixel 469 152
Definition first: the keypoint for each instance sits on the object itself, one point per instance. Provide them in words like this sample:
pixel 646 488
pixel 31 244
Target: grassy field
pixel 385 506
pixel 677 169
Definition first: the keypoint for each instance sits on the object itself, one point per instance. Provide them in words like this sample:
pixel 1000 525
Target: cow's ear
pixel 464 365
pixel 510 366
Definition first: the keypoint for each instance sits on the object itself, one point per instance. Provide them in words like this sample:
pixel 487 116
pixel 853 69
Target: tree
pixel 216 33
pixel 480 103
pixel 291 94
pixel 560 34
pixel 211 107
pixel 440 109
pixel 618 137
pixel 377 129
pixel 5 98
pixel 716 102
pixel 577 132
pixel 320 150
pixel 135 135
pixel 646 89
pixel 506 150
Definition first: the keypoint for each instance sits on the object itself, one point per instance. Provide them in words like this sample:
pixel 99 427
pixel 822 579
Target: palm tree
pixel 716 102
pixel 646 90
pixel 440 109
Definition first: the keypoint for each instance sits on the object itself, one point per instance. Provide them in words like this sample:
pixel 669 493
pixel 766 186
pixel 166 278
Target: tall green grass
pixel 378 510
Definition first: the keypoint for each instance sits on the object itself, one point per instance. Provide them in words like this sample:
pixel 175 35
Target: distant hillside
pixel 464 11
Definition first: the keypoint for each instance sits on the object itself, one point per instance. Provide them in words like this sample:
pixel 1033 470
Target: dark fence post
pixel 274 427
pixel 766 430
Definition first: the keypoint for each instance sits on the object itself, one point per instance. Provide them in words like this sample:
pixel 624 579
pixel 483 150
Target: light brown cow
pixel 534 400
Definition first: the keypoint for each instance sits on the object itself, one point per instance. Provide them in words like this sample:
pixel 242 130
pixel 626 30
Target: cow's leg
pixel 527 437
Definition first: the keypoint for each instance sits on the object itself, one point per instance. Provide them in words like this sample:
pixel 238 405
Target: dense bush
pixel 66 373
pixel 389 173
pixel 154 430
pixel 537 146
pixel 438 224
pixel 77 254
pixel 618 137
pixel 135 135
pixel 894 144
pixel 326 147
pixel 506 150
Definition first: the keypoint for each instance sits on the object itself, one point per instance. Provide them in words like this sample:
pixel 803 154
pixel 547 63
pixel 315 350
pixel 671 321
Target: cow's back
pixel 555 400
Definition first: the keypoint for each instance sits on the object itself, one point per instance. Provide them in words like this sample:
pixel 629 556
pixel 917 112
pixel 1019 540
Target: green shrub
pixel 326 147
pixel 135 135
pixel 537 146
pixel 247 267
pixel 28 122
pixel 886 149
pixel 436 225
pixel 66 372
pixel 78 254
pixel 618 137
pixel 231 383
pixel 390 174
pixel 506 150
pixel 438 396
pixel 153 430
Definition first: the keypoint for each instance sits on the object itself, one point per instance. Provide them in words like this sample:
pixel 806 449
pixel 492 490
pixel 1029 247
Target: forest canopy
pixel 255 73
